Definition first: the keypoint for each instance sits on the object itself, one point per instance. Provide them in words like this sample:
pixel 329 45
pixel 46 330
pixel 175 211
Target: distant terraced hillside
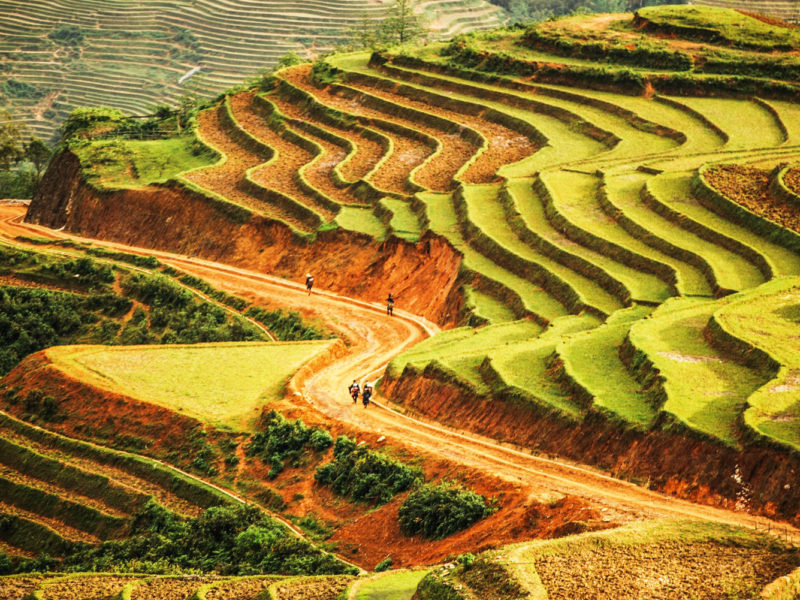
pixel 625 204
pixel 788 10
pixel 56 55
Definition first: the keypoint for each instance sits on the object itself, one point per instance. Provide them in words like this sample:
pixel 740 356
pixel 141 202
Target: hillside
pixel 590 227
pixel 57 55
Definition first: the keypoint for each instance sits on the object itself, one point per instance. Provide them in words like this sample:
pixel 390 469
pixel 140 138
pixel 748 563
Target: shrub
pixel 286 326
pixel 437 511
pixel 283 440
pixel 384 565
pixel 364 475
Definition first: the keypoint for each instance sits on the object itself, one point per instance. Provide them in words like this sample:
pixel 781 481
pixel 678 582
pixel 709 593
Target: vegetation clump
pixel 229 540
pixel 287 326
pixel 364 475
pixel 437 511
pixel 281 440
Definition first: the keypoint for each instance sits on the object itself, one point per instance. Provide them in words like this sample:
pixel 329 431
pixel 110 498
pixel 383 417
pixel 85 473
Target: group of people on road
pixel 366 393
pixel 389 300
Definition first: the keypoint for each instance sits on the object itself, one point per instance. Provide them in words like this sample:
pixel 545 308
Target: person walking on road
pixel 309 282
pixel 354 389
pixel 366 394
pixel 390 305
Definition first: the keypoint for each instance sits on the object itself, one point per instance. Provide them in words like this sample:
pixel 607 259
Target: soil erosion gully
pixel 373 340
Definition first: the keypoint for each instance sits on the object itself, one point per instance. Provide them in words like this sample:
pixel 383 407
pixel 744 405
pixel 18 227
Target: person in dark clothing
pixel 354 389
pixel 309 282
pixel 366 394
pixel 390 305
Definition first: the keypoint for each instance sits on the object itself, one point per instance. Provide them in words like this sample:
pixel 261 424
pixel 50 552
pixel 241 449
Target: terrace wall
pixel 173 218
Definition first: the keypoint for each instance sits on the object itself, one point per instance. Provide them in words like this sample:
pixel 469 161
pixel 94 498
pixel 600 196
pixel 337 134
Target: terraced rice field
pixel 131 55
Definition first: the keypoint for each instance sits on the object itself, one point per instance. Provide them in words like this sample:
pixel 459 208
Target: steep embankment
pixel 175 219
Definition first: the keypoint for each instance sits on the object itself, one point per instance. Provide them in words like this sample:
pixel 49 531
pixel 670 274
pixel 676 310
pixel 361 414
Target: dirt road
pixel 373 339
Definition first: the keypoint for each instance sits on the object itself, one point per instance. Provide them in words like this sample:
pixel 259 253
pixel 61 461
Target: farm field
pixel 61 54
pixel 588 228
pixel 225 385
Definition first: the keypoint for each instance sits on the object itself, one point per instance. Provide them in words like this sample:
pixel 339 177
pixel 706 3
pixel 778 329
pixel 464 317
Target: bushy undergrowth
pixel 364 475
pixel 437 511
pixel 33 319
pixel 233 301
pixel 230 540
pixel 281 440
pixel 286 326
pixel 147 262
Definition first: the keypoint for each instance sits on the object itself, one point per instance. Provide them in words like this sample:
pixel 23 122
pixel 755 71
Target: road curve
pixel 373 339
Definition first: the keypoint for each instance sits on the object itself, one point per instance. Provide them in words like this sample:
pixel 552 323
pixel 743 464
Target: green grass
pixel 133 163
pixel 486 212
pixel 592 359
pixel 675 190
pixel 575 198
pixel 463 349
pixel 486 307
pixel 731 25
pixel 705 389
pixel 524 364
pixel 392 586
pixel 732 271
pixel 643 286
pixel 404 223
pixel 222 384
pixel 362 220
pixel 443 221
pixel 769 319
pixel 789 114
pixel 747 124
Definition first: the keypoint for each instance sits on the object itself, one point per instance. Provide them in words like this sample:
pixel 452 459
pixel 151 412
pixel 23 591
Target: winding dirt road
pixel 372 340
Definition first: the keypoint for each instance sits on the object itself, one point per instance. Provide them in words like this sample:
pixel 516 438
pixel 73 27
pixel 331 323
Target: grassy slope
pixel 223 384
pixel 392 586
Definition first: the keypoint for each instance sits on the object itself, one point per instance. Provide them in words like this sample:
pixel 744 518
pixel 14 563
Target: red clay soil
pixel 504 145
pixel 225 179
pixel 408 152
pixel 118 476
pixel 176 220
pixel 368 152
pixel 278 174
pixel 750 187
pixel 668 461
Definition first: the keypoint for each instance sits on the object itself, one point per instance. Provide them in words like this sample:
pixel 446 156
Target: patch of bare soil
pixel 408 152
pixel 279 173
pixel 319 589
pixel 504 145
pixel 239 589
pixel 87 588
pixel 178 588
pixel 225 179
pixel 665 571
pixel 750 187
pixel 17 588
pixel 368 152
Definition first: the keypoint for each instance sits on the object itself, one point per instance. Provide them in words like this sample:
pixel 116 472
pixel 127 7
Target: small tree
pixel 37 152
pixel 401 25
pixel 12 144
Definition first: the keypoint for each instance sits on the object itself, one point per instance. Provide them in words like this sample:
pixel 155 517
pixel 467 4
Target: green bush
pixel 437 511
pixel 147 262
pixel 364 475
pixel 283 440
pixel 384 565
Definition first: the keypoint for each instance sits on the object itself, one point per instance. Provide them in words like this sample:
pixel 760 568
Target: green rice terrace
pixel 598 218
pixel 56 55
